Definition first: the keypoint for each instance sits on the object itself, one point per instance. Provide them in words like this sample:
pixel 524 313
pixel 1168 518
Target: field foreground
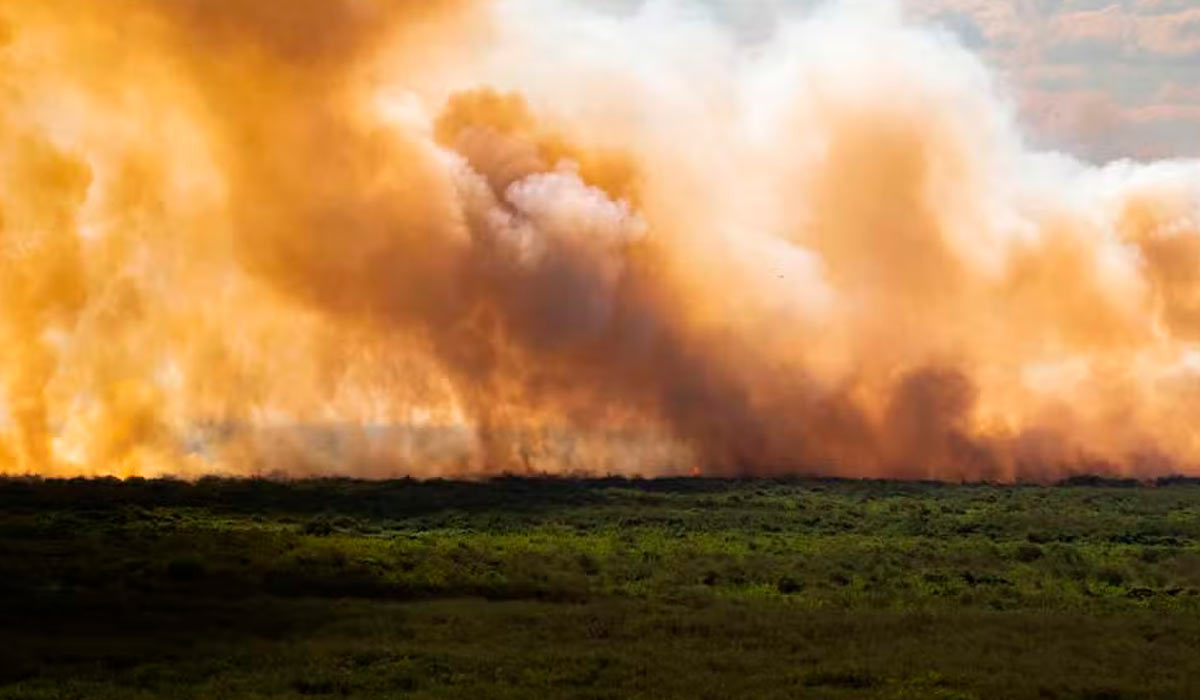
pixel 598 589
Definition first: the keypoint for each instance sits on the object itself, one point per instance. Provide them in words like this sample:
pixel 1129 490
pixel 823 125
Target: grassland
pixel 598 589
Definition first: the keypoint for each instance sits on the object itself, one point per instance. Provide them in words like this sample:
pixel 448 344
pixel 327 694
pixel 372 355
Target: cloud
pixel 1174 35
pixel 1060 59
pixel 1100 79
pixel 1108 29
pixel 1091 121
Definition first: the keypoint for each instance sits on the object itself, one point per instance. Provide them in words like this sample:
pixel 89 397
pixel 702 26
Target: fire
pixel 455 237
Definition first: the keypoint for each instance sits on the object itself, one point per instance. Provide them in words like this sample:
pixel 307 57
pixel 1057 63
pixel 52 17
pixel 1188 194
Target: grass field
pixel 598 589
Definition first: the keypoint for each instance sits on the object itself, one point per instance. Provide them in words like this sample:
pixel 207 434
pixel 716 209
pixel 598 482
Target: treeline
pixel 415 496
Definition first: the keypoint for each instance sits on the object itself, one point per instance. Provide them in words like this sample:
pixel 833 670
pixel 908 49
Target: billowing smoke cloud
pixel 456 237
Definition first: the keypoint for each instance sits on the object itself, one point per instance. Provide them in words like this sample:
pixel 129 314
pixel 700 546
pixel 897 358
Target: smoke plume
pixel 454 237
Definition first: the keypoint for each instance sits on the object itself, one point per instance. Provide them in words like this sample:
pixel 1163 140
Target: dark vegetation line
pixel 318 494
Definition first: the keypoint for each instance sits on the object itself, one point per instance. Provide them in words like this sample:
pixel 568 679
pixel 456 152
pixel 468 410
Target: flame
pixel 454 237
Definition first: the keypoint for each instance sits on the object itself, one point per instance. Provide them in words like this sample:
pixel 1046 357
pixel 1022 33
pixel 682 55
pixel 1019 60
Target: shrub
pixel 788 585
pixel 1111 576
pixel 186 569
pixel 1029 552
pixel 318 526
pixel 344 523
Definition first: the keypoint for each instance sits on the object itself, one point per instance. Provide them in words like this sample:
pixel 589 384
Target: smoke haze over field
pixel 465 237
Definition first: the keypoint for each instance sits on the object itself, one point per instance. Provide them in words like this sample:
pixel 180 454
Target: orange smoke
pixel 454 237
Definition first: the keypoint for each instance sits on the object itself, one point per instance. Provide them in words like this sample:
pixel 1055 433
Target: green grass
pixel 600 588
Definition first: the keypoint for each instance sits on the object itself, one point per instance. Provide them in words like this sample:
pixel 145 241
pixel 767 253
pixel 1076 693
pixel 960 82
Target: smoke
pixel 466 237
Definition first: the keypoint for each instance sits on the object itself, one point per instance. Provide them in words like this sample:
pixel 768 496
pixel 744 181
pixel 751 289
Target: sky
pixel 1100 80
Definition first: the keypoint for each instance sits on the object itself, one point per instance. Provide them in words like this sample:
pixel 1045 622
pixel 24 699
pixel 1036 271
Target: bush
pixel 788 585
pixel 186 569
pixel 1029 553
pixel 1111 576
pixel 318 526
pixel 345 523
